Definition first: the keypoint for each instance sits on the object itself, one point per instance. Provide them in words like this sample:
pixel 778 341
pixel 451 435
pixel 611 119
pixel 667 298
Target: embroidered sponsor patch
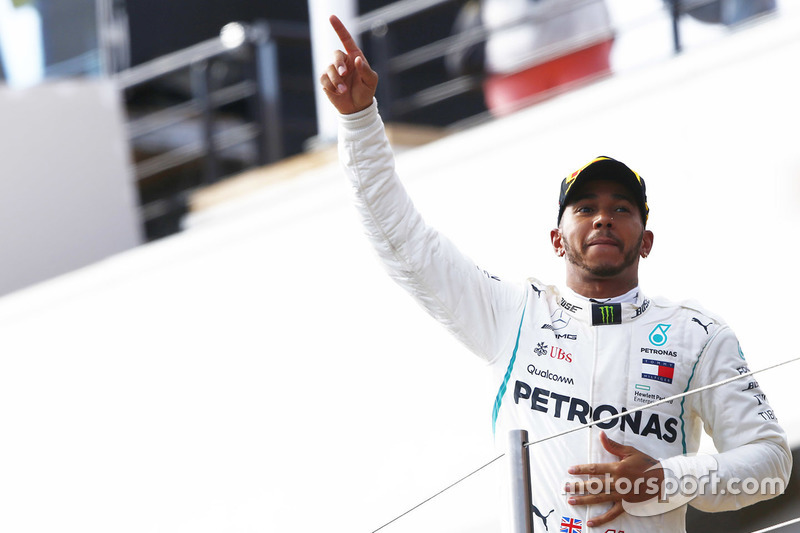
pixel 570 525
pixel 658 370
pixel 606 314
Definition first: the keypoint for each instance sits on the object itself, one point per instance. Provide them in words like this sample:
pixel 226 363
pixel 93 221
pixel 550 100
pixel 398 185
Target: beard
pixel 604 270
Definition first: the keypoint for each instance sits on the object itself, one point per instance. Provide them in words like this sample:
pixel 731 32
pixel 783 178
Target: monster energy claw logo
pixel 607 313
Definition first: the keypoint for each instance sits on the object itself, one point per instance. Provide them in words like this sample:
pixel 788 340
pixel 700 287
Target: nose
pixel 604 218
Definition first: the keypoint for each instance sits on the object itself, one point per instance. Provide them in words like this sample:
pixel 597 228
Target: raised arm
pixel 481 311
pixel 348 82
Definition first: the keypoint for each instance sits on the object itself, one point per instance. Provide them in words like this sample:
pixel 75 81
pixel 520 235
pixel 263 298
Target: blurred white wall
pixel 67 196
pixel 259 372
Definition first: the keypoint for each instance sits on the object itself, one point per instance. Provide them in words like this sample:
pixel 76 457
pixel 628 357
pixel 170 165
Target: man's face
pixel 601 232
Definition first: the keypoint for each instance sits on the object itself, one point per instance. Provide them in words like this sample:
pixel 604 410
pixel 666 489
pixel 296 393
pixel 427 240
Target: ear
pixel 647 243
pixel 558 243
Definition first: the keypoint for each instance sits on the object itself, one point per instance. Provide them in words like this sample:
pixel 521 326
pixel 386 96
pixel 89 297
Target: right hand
pixel 348 82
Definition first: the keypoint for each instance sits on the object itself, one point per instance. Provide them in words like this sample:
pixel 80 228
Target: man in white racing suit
pixel 563 358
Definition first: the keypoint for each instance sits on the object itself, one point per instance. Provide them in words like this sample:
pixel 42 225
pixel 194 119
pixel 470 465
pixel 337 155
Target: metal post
pixel 379 38
pixel 113 41
pixel 201 90
pixel 270 118
pixel 521 499
pixel 103 23
pixel 675 10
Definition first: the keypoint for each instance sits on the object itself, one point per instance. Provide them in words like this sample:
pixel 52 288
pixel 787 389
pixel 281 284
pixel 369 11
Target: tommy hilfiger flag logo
pixel 570 525
pixel 658 370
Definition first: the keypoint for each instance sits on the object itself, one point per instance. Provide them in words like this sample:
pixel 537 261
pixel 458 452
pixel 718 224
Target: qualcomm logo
pixel 658 337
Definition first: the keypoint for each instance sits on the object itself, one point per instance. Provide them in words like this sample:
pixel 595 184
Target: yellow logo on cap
pixel 572 177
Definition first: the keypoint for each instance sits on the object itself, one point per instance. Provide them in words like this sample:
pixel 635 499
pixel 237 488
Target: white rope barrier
pixel 451 485
pixel 665 400
pixel 607 419
pixel 778 526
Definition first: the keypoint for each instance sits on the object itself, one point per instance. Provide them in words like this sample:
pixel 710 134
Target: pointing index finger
pixel 348 42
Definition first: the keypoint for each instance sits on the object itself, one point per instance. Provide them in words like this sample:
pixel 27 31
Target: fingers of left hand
pixel 593 469
pixel 613 446
pixel 608 516
pixel 594 498
pixel 593 485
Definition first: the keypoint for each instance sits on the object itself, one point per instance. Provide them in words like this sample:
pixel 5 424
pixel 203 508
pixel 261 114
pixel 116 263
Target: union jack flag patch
pixel 570 525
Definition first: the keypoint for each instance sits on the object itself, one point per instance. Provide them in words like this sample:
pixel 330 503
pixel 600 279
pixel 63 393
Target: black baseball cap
pixel 605 168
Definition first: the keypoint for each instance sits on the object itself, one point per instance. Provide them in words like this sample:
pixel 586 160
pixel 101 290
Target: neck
pixel 602 288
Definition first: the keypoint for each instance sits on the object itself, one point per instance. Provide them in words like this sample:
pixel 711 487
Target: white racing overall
pixel 560 360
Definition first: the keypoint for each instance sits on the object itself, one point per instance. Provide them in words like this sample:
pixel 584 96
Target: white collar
pixel 612 311
pixel 630 297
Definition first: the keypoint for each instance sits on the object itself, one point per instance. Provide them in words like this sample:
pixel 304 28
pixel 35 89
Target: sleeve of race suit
pixel 476 307
pixel 754 460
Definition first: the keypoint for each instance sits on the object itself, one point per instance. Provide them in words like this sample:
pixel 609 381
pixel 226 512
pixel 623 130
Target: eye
pixel 583 209
pixel 623 209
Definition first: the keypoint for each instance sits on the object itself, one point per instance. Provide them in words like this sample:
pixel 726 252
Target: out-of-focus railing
pixel 253 48
pixel 377 29
pixel 408 43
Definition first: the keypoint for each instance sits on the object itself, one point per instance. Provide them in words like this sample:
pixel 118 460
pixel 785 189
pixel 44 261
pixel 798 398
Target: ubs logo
pixel 561 355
